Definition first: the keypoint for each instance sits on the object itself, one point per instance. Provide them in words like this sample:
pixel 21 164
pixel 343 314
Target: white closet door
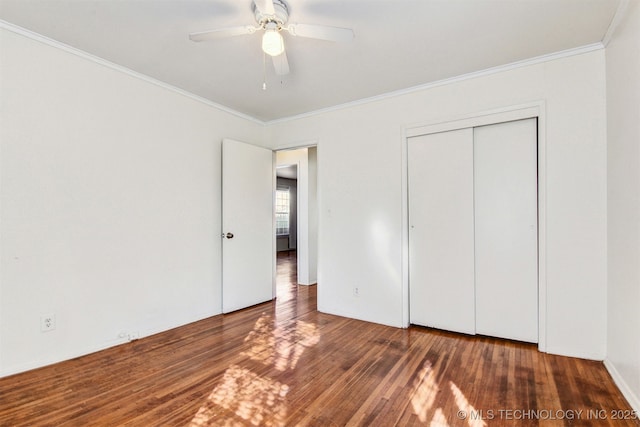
pixel 441 278
pixel 506 251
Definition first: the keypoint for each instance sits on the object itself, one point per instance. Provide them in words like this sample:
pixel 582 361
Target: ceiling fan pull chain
pixel 264 71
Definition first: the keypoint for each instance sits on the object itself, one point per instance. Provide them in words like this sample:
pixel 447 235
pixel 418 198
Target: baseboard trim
pixel 633 400
pixel 86 350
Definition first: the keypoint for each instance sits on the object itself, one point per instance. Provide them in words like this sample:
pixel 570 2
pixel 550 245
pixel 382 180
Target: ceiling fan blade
pixel 322 32
pixel 222 33
pixel 281 64
pixel 265 6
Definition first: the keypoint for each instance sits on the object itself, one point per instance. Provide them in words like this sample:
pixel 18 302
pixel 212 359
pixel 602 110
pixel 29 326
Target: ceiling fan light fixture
pixel 272 42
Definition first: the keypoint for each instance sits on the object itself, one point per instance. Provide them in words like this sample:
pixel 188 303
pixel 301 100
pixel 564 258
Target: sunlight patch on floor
pixel 465 407
pixel 259 400
pixel 439 420
pixel 280 346
pixel 423 397
pixel 425 390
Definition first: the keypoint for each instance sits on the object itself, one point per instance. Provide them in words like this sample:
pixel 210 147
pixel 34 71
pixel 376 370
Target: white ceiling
pixel 289 172
pixel 398 44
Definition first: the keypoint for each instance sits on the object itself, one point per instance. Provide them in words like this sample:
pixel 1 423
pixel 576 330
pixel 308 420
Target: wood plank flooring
pixel 283 363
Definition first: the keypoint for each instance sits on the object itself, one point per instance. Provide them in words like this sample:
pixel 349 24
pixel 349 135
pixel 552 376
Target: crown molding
pixel 486 72
pixel 476 74
pixel 615 22
pixel 96 59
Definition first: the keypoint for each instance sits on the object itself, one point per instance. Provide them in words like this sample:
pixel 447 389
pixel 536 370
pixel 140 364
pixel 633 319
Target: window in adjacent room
pixel 282 211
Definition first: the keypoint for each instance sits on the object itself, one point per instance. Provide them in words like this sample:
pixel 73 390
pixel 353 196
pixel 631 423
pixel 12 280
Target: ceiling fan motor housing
pixel 280 17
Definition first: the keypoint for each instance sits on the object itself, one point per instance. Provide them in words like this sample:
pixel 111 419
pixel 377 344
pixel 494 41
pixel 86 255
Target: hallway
pixel 286 272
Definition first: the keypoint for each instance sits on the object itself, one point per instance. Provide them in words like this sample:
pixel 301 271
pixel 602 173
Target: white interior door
pixel 506 234
pixel 248 249
pixel 441 271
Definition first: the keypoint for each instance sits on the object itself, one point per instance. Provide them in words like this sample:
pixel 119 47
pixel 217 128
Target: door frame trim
pixel 309 143
pixel 534 109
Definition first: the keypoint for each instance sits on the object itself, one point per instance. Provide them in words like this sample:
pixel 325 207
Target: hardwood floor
pixel 283 363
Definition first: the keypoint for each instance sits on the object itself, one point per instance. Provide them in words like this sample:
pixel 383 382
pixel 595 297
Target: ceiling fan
pixel 271 17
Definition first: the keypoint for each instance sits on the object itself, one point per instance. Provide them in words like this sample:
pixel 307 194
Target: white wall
pixel 110 204
pixel 623 131
pixel 360 192
pixel 110 201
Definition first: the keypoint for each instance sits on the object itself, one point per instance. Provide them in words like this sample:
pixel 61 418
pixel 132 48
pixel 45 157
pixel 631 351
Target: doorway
pixel 296 215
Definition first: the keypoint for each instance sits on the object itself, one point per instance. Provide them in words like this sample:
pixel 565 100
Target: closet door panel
pixel 441 273
pixel 506 251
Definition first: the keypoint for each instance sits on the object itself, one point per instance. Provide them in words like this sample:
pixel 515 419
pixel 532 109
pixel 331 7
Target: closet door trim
pixel 534 109
pixel 491 117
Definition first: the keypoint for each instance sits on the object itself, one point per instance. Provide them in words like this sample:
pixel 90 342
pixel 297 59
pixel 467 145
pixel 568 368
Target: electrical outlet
pixel 356 291
pixel 48 322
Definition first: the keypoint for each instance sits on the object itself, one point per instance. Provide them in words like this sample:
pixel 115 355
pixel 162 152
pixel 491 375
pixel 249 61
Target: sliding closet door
pixel 441 231
pixel 506 245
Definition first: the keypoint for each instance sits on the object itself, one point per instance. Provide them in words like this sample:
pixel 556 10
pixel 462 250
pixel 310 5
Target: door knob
pixel 228 235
